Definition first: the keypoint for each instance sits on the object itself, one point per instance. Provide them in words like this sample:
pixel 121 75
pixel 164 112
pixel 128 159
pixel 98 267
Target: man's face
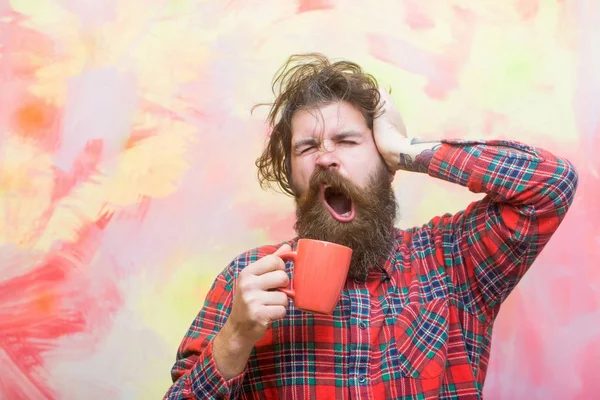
pixel 335 136
pixel 342 187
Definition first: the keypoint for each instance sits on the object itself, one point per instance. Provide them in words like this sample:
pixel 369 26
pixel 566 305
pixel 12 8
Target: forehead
pixel 328 120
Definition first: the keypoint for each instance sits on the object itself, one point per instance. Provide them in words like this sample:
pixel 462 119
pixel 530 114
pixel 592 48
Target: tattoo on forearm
pixel 421 161
pixel 405 161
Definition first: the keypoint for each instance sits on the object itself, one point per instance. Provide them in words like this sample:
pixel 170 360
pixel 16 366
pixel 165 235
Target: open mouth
pixel 340 206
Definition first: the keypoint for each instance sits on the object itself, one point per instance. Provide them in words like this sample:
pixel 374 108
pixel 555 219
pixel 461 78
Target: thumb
pixel 284 248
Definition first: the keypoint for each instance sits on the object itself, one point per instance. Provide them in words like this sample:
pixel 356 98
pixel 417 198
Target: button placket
pixel 360 337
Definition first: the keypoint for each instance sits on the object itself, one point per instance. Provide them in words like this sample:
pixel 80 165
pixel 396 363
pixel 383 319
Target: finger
pixel 266 264
pixel 284 248
pixel 275 312
pixel 272 280
pixel 275 298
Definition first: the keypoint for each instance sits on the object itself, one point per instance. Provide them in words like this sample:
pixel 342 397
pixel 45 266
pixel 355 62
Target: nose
pixel 328 160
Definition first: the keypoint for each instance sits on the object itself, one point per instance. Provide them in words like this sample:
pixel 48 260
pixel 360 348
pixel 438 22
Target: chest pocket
pixel 421 339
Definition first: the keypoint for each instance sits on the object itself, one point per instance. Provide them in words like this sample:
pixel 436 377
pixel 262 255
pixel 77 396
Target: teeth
pixel 346 214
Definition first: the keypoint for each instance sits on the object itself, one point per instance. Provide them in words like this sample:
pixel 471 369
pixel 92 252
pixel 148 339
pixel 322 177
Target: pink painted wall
pixel 127 179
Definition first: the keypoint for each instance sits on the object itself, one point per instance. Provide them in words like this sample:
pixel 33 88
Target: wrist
pixel 233 341
pixel 231 352
pixel 394 153
pixel 416 154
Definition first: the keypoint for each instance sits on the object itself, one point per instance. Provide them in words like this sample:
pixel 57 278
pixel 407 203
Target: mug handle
pixel 288 256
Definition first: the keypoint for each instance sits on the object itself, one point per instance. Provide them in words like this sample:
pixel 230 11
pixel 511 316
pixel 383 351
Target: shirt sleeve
pixel 195 374
pixel 488 247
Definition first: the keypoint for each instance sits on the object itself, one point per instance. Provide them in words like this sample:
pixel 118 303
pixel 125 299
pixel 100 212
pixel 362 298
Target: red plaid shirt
pixel 418 328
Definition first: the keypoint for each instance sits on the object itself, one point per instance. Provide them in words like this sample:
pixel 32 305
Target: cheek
pixel 361 174
pixel 301 173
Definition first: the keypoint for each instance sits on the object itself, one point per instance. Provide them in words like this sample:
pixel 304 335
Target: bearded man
pixel 415 316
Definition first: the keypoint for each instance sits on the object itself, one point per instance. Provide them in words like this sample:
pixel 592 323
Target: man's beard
pixel 370 234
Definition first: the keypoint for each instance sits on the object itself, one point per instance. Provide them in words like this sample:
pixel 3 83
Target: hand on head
pixel 389 131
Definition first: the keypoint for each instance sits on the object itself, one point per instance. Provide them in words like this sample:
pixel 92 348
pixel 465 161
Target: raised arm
pixel 528 191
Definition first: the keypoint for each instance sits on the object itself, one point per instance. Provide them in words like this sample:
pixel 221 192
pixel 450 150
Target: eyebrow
pixel 347 134
pixel 337 137
pixel 304 142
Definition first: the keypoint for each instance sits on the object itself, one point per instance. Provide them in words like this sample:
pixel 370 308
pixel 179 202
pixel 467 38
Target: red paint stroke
pixel 53 300
pixel 441 79
pixel 57 296
pixel 137 211
pixel 571 298
pixel 440 70
pixel 314 5
pixel 415 18
pixel 160 111
pixel 533 340
pixel 588 365
pixel 23 51
pixel 18 44
pixel 527 9
pixel 137 136
pixel 84 166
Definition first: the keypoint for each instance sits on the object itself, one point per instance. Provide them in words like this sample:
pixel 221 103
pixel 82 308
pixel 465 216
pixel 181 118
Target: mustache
pixel 334 180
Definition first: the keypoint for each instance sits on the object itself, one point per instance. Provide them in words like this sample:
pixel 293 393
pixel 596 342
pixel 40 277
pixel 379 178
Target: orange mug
pixel 320 271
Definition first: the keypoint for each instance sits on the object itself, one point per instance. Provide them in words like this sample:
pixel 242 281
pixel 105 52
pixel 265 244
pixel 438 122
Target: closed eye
pixel 307 149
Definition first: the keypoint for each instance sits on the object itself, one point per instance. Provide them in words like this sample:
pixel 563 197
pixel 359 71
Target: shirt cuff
pixel 208 381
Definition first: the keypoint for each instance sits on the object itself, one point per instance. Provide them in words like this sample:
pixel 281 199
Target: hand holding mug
pixel 255 304
pixel 320 271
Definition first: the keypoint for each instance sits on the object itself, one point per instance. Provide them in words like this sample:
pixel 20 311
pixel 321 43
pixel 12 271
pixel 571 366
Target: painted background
pixel 127 177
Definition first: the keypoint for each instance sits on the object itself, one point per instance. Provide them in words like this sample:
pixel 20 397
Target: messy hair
pixel 305 82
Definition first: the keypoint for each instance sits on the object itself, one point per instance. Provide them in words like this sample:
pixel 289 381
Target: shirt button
pixel 362 379
pixel 362 325
pixel 358 282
